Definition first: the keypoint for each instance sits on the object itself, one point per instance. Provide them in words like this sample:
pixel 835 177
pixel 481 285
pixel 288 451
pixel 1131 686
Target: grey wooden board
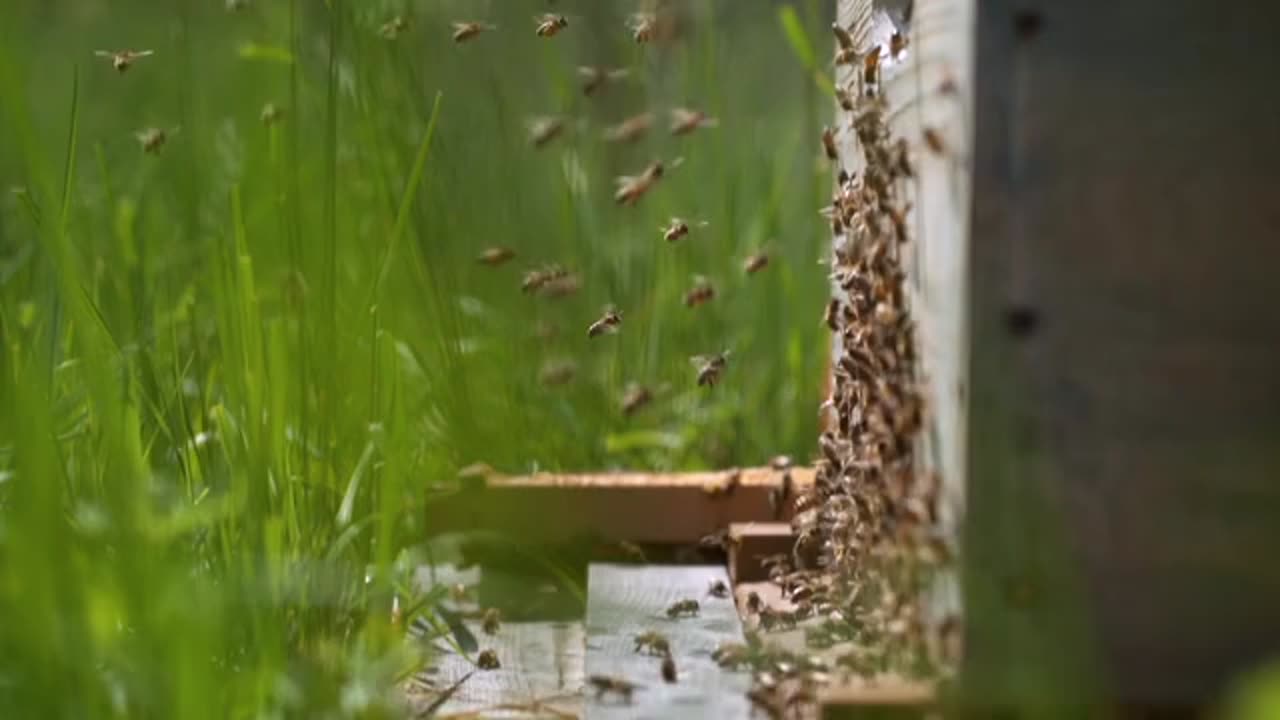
pixel 541 674
pixel 624 600
pixel 1125 197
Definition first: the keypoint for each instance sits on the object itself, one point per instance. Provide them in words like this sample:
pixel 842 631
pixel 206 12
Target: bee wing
pixel 624 180
pixel 675 163
pixel 618 73
pixel 143 53
pixel 587 72
pixel 104 53
pixel 700 361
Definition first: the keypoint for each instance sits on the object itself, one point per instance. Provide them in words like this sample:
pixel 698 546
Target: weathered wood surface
pixel 624 601
pixel 750 543
pixel 1125 396
pixel 638 507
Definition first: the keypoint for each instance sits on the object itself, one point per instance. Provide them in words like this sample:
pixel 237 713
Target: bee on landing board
pixel 464 31
pixel 122 60
pixel 550 25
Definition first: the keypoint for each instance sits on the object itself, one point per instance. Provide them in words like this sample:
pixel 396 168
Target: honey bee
pixel 731 654
pixel 464 31
pixel 701 292
pixel 495 256
pixel 392 28
pixel 934 140
pixel 832 315
pixel 236 5
pixel 562 286
pixel 550 25
pixel 535 280
pixel 632 551
pixel 543 130
pixel 710 368
pixel 609 322
pixel 669 669
pixel 122 60
pixel 271 114
pixel 606 684
pixel 718 589
pixel 897 43
pixel 677 228
pixel 596 78
pixel 719 539
pixel 629 130
pixel 635 398
pixel 652 643
pixel 153 139
pixel 725 485
pixel 844 99
pixel 843 38
pixel 755 263
pixel 683 608
pixel 491 621
pixel 845 56
pixel 557 373
pixel 685 121
pixel 643 27
pixel 871 66
pixel 829 143
pixel 488 660
pixel 632 187
pixel 781 463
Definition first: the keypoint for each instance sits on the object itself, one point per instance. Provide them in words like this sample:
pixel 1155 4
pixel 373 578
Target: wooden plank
pixel 624 601
pixel 1125 399
pixel 878 701
pixel 750 543
pixel 638 507
pixel 540 675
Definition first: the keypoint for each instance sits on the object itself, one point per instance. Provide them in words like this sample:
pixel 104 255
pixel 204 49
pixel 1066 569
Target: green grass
pixel 230 369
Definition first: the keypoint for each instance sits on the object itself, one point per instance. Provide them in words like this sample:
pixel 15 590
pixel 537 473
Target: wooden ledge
pixel 672 508
pixel 890 700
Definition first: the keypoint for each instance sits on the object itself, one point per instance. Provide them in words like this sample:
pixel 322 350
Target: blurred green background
pixel 231 368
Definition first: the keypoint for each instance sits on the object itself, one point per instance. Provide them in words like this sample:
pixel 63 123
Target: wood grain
pixel 638 507
pixel 626 600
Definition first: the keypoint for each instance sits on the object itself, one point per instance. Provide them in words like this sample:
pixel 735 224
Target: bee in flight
pixel 679 227
pixel 543 130
pixel 629 130
pixel 464 31
pixel 635 398
pixel 271 114
pixel 701 292
pixel 609 322
pixel 495 256
pixel 122 60
pixel 632 187
pixel 392 28
pixel 643 27
pixel 550 24
pixel 710 368
pixel 153 139
pixel 755 263
pixel 685 121
pixel 596 78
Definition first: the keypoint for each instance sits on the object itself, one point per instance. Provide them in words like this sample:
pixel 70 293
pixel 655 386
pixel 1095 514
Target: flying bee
pixel 607 684
pixel 679 227
pixel 710 368
pixel 652 643
pixel 934 140
pixel 535 280
pixel 491 621
pixel 629 130
pixel 829 143
pixel 236 5
pixel 562 286
pixel 464 31
pixel 636 397
pixel 683 608
pixel 543 130
pixel 685 121
pixel 609 322
pixel 271 114
pixel 596 78
pixel 557 373
pixel 122 60
pixel 153 139
pixel 488 660
pixel 392 28
pixel 701 292
pixel 495 256
pixel 755 263
pixel 550 25
pixel 632 187
pixel 897 43
pixel 643 27
pixel 718 589
pixel 669 669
